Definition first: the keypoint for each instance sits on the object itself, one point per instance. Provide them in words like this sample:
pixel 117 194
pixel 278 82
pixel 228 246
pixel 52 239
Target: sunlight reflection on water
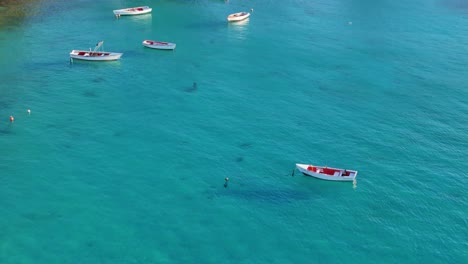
pixel 241 27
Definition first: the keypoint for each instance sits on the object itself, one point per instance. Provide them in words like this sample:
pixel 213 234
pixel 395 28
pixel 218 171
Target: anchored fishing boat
pixel 159 45
pixel 238 16
pixel 95 55
pixel 133 11
pixel 327 173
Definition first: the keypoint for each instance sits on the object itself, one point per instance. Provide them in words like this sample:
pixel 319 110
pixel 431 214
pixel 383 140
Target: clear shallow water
pixel 124 162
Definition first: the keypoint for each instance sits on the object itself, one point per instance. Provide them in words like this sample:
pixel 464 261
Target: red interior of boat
pixel 156 42
pixel 93 54
pixel 328 171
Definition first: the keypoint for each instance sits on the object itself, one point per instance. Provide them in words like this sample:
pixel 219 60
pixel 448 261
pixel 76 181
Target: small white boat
pixel 133 11
pixel 326 173
pixel 238 16
pixel 158 44
pixel 95 55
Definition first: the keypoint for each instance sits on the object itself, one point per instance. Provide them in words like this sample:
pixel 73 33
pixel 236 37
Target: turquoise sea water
pixel 124 162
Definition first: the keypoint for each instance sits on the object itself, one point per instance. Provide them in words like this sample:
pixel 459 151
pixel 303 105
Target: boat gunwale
pixel 304 169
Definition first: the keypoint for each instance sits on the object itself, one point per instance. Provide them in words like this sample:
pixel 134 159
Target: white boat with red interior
pixel 95 55
pixel 327 173
pixel 133 11
pixel 238 16
pixel 159 44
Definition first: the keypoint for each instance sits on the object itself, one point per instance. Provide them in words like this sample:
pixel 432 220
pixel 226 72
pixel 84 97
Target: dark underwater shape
pixel 43 216
pixel 455 4
pixel 118 134
pixel 67 146
pixel 89 94
pixel 5 131
pixel 45 66
pixel 90 244
pixel 98 79
pixel 245 145
pixel 192 89
pixel 271 196
pixel 4 104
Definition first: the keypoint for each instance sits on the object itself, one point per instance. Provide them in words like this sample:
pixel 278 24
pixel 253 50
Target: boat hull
pixel 94 56
pixel 133 11
pixel 235 17
pixel 159 45
pixel 336 177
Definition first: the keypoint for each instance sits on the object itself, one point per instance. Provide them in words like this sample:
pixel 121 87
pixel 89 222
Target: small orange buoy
pixel 12 119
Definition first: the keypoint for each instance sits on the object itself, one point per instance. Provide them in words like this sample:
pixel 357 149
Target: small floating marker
pixel 12 119
pixel 226 182
pixel 29 111
pixel 251 9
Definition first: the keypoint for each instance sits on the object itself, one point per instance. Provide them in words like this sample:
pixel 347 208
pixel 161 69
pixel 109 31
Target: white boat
pixel 158 44
pixel 238 16
pixel 327 173
pixel 133 11
pixel 95 55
